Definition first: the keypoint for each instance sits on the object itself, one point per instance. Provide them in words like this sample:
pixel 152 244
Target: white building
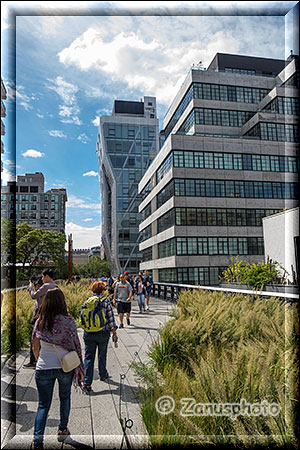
pixel 281 238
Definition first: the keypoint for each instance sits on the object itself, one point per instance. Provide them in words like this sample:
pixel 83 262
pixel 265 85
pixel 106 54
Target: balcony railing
pixel 170 291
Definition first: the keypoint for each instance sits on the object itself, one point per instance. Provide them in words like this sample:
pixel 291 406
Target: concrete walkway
pixel 95 418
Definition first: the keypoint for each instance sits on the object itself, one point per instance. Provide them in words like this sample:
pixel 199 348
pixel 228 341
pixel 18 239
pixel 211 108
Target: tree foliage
pixel 8 241
pixel 96 266
pixel 255 275
pixel 35 246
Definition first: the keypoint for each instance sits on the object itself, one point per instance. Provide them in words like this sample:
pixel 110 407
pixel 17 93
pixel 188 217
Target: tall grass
pixel 220 348
pixel 17 309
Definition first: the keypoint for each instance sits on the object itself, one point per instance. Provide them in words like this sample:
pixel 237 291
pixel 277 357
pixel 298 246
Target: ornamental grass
pixel 221 348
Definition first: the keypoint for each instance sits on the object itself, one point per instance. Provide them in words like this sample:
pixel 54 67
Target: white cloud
pixel 88 219
pixel 96 121
pixel 75 202
pixel 18 95
pixel 84 237
pixel 41 116
pixel 143 59
pixel 68 110
pixel 92 173
pixel 57 133
pixel 33 153
pixel 6 176
pixel 83 138
pixel 153 54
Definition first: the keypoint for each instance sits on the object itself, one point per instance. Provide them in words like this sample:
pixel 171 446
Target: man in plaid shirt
pixel 99 339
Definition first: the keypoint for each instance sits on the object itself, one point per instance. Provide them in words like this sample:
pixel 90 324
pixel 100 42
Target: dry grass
pixel 17 310
pixel 221 348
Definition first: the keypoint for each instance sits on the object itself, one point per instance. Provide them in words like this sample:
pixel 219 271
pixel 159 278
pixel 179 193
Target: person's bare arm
pixel 36 345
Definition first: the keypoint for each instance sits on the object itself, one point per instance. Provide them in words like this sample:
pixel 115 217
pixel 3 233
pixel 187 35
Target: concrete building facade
pixel 26 201
pixel 127 143
pixel 229 158
pixel 286 249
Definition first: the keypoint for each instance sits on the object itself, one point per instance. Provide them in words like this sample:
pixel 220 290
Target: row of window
pixel 27 189
pixel 147 254
pixel 202 276
pixel 211 246
pixel 231 217
pixel 283 105
pixel 216 92
pixel 227 161
pixel 226 188
pixel 33 198
pixel 274 132
pixel 129 131
pixel 229 93
pixel 221 117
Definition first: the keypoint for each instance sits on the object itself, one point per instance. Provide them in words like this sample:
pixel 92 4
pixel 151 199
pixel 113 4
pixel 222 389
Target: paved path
pixel 94 419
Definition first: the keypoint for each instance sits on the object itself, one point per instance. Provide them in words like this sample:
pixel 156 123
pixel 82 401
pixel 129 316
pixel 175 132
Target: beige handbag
pixel 69 361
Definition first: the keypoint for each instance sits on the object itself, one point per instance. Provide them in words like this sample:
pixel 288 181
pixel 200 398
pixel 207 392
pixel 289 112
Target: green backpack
pixel 92 314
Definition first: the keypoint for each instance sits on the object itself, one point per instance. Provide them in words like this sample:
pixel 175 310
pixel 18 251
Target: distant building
pixel 229 158
pixel 281 238
pixel 26 201
pixel 95 251
pixel 127 143
pixel 80 256
pixel 3 114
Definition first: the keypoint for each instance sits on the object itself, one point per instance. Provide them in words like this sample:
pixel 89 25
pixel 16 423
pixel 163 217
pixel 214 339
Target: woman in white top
pixel 54 331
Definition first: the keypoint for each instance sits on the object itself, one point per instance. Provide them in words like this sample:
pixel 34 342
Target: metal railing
pixel 169 291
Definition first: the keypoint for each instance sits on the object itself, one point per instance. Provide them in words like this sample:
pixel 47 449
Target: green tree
pixel 36 246
pixel 8 241
pixel 95 266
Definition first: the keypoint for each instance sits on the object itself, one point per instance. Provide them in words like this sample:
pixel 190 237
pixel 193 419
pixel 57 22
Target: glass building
pixel 229 158
pixel 127 143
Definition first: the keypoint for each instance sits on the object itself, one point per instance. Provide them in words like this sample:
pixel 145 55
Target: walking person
pixel 122 296
pixel 140 292
pixel 149 283
pixel 38 294
pixel 97 333
pixel 54 334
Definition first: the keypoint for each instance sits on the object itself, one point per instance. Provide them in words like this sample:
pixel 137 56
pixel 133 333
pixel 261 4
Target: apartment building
pixel 229 158
pixel 127 143
pixel 26 201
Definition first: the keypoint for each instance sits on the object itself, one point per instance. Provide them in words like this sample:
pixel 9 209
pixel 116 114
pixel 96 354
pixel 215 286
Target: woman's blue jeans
pixel 141 300
pixel 45 380
pixel 93 341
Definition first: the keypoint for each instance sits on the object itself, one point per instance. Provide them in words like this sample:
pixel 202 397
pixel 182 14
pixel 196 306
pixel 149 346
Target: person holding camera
pixel 41 289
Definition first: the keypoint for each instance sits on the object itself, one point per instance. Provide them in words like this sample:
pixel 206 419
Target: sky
pixel 64 64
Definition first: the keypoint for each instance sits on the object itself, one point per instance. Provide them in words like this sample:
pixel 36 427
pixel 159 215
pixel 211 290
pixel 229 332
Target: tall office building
pixel 127 143
pixel 26 201
pixel 229 158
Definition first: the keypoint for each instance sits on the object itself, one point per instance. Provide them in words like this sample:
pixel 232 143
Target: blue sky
pixel 73 62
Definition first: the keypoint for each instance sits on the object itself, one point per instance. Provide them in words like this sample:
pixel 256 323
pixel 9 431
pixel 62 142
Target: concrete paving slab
pixel 95 418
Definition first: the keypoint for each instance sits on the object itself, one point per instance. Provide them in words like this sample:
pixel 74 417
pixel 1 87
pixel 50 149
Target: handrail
pixel 179 287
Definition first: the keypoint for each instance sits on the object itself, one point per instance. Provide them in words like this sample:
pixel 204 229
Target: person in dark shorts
pixel 122 296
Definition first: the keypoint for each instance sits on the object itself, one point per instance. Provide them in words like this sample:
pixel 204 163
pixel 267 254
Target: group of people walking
pixel 55 336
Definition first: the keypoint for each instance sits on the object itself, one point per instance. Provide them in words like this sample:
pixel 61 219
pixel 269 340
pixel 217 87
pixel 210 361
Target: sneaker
pixel 140 312
pixel 147 308
pixel 128 321
pixel 63 434
pixel 29 365
pixel 121 325
pixel 104 378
